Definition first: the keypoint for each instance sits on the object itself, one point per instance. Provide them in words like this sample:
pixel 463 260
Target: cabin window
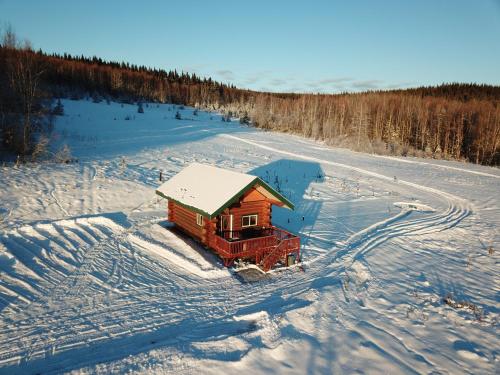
pixel 199 220
pixel 248 221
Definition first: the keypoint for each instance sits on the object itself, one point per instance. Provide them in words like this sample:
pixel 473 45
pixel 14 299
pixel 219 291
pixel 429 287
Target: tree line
pixel 396 123
pixel 456 121
pixel 24 105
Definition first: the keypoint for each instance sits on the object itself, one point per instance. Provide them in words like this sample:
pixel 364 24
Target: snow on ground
pixel 400 257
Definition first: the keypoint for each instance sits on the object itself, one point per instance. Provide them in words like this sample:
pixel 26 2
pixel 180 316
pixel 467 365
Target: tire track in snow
pixel 479 173
pixel 126 315
pixel 360 243
pixel 457 209
pixel 52 194
pixel 121 313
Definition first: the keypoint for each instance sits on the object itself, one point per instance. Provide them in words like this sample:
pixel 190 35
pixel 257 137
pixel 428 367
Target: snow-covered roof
pixel 209 190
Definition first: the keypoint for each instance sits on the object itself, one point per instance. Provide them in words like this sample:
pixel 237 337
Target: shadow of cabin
pixel 293 178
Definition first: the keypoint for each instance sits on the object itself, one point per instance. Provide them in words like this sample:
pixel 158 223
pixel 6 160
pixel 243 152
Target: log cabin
pixel 230 213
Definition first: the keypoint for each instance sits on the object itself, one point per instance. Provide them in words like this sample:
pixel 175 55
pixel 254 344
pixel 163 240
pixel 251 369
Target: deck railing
pixel 252 233
pixel 269 246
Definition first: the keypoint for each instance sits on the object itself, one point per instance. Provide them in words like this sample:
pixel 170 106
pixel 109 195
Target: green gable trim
pixel 256 180
pixel 234 199
pixel 278 195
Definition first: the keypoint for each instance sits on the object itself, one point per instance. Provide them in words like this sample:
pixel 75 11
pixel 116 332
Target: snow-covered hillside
pixel 400 257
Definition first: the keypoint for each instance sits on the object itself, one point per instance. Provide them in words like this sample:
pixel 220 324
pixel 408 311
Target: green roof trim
pixel 277 194
pixel 235 198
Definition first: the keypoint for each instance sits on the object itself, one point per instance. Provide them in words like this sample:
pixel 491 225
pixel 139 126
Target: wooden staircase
pixel 280 251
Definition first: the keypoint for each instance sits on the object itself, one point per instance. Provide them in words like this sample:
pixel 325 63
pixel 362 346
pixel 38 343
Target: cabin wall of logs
pixel 260 208
pixel 252 203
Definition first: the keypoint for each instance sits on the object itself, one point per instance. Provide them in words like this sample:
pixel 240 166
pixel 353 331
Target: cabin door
pixel 226 224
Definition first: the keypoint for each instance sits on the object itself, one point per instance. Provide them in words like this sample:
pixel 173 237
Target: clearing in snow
pixel 399 273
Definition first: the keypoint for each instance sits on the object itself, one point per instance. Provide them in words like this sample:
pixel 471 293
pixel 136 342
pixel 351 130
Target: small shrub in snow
pixel 438 154
pixel 245 120
pixel 41 148
pixel 123 163
pixel 476 310
pixel 64 155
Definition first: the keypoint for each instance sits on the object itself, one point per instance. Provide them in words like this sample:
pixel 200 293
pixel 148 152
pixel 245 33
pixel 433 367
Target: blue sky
pixel 306 46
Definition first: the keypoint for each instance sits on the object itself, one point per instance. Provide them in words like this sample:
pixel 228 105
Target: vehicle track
pixel 457 207
pixel 128 310
pixel 359 244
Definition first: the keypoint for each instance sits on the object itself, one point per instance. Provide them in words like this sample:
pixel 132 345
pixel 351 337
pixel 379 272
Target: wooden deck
pixel 266 246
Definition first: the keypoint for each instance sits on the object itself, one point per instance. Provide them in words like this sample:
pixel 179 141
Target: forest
pixel 451 121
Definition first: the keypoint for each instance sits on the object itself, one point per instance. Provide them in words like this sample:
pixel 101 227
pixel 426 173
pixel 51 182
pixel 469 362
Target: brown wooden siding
pixel 261 208
pixel 170 211
pixel 186 220
pixel 251 203
pixel 253 195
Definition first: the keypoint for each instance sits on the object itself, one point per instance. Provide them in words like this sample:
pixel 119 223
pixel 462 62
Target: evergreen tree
pixel 245 119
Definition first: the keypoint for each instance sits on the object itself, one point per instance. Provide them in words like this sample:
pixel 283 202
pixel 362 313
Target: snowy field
pixel 400 257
